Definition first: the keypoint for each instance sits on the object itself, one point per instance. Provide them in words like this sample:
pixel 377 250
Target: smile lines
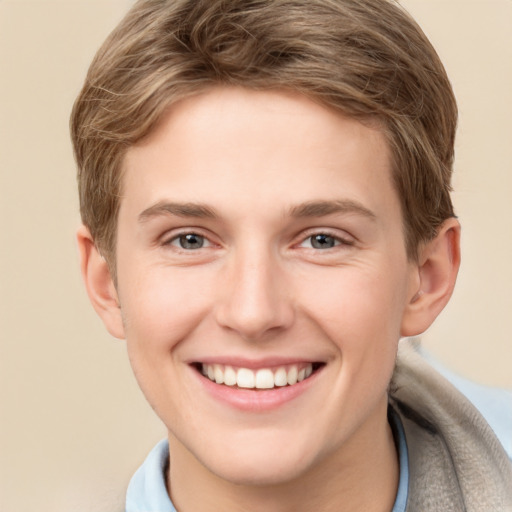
pixel 264 378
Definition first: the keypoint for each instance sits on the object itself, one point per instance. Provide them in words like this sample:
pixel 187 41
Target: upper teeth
pixel 264 378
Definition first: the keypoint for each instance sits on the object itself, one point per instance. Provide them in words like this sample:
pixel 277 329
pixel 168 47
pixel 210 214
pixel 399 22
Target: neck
pixel 362 475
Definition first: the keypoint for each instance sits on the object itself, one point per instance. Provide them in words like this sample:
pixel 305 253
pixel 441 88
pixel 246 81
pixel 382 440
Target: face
pixel 262 280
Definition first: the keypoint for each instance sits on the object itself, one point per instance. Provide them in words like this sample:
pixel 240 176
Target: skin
pixel 257 177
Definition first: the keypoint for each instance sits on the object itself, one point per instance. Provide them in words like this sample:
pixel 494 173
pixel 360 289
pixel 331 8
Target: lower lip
pixel 256 400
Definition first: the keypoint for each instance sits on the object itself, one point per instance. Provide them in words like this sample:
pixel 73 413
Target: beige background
pixel 73 425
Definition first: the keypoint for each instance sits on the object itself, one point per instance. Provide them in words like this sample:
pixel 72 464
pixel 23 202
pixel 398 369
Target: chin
pixel 260 473
pixel 260 461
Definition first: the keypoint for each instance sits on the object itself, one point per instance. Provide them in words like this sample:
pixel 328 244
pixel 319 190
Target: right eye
pixel 322 241
pixel 189 241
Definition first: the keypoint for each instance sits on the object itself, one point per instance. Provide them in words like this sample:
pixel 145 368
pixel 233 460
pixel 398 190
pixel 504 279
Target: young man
pixel 264 189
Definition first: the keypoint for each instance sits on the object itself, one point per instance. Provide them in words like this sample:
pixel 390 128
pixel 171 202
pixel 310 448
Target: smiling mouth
pixel 262 378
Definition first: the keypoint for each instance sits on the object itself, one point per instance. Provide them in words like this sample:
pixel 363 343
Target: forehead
pixel 270 148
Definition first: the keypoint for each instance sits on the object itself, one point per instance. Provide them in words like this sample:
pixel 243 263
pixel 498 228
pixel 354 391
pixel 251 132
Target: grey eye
pixel 191 241
pixel 322 241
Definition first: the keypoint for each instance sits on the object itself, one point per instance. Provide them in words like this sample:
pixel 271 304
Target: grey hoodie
pixel 456 463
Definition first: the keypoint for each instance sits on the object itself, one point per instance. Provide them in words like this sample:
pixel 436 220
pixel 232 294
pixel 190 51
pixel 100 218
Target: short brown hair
pixel 364 58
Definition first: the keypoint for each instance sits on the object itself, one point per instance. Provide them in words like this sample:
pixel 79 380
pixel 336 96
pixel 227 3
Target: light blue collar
pixel 403 459
pixel 147 491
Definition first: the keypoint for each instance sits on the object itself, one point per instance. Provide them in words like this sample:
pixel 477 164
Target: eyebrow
pixel 196 210
pixel 304 210
pixel 322 208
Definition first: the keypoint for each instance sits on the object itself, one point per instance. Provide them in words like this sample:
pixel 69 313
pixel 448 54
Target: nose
pixel 256 301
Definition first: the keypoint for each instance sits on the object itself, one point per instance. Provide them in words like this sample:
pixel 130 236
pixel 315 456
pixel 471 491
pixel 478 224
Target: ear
pixel 437 268
pixel 99 283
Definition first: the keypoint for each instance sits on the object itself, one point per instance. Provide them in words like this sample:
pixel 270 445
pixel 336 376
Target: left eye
pixel 321 241
pixel 190 241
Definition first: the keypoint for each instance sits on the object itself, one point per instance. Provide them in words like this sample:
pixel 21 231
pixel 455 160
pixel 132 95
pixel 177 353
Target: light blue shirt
pixel 147 491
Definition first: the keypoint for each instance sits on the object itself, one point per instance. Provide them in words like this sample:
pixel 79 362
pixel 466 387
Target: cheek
pixel 163 306
pixel 360 311
pixel 356 304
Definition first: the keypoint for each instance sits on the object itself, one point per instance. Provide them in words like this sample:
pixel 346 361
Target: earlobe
pixel 99 284
pixel 437 268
